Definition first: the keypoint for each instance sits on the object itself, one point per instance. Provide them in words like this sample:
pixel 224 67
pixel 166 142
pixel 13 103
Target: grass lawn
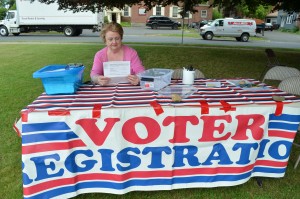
pixel 18 89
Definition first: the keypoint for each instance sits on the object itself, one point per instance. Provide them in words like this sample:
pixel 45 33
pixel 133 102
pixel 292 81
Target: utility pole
pixel 182 27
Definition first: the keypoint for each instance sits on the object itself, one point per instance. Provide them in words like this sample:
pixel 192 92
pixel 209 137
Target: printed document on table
pixel 117 71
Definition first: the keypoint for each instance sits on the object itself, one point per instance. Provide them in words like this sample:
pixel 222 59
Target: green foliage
pixel 295 29
pixel 9 3
pixel 106 19
pixel 78 5
pixel 287 5
pixel 126 24
pixel 216 14
pixel 13 7
pixel 2 13
pixel 243 9
pixel 262 11
pixel 3 3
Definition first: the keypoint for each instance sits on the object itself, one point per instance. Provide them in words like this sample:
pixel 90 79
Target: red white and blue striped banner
pixel 70 146
pixel 125 95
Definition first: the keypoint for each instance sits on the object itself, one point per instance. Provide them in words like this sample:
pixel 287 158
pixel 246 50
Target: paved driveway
pixel 281 36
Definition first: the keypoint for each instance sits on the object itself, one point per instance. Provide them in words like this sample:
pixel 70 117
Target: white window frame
pixel 162 10
pixel 142 11
pixel 172 12
pixel 203 13
pixel 129 11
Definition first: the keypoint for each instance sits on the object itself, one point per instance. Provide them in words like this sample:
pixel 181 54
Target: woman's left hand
pixel 133 79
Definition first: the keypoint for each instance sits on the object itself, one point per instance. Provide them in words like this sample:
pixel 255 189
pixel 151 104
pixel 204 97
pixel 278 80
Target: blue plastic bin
pixel 60 79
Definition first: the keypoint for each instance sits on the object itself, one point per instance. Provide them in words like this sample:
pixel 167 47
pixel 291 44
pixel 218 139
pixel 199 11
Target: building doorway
pixel 114 17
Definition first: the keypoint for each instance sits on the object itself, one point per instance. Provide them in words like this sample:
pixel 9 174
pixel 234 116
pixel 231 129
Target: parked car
pixel 269 26
pixel 276 26
pixel 260 28
pixel 264 27
pixel 199 24
pixel 194 25
pixel 204 22
pixel 161 21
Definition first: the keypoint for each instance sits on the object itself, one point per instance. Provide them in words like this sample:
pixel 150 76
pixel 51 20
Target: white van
pixel 241 29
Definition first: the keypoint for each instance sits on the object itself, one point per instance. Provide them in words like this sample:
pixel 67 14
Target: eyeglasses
pixel 115 38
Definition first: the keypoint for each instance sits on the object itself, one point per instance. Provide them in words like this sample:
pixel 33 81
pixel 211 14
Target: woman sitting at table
pixel 112 35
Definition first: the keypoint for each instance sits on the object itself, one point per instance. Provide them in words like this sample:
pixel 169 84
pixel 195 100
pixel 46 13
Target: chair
pixel 292 85
pixel 280 73
pixel 272 62
pixel 272 59
pixel 178 73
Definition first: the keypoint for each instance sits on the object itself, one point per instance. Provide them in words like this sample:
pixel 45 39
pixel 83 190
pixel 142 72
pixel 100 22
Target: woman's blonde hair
pixel 114 27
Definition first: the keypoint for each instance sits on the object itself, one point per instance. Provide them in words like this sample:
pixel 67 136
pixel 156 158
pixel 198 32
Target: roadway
pixel 271 39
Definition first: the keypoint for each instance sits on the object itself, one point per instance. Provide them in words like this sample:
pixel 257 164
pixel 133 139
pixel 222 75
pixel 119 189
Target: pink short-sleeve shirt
pixel 129 55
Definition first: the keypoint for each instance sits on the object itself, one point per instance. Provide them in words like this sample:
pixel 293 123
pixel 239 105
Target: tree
pixel 2 12
pixel 4 4
pixel 262 11
pixel 243 9
pixel 286 5
pixel 11 3
pixel 216 14
pixel 94 5
pixel 7 3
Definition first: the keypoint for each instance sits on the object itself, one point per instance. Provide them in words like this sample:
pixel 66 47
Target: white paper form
pixel 117 71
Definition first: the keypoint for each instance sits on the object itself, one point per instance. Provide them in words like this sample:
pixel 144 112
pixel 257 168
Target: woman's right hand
pixel 102 80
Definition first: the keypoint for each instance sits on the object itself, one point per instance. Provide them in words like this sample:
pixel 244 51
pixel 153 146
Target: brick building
pixel 138 15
